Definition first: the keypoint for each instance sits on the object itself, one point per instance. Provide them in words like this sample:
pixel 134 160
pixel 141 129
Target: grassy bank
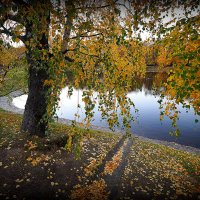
pixel 16 79
pixel 33 168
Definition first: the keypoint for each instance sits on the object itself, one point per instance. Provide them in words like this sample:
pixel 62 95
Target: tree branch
pixel 15 18
pixel 7 32
pixel 69 59
pixel 98 7
pixel 20 2
pixel 85 35
pixel 128 9
pixel 67 32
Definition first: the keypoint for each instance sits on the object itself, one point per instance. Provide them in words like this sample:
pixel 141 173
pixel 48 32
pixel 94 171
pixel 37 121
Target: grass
pixel 15 79
pixel 30 165
pixel 57 133
pixel 161 172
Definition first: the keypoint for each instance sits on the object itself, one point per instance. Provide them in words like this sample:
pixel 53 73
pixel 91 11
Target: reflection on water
pixel 145 99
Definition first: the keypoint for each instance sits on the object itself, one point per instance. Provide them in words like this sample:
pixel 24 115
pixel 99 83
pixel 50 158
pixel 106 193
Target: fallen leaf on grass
pixel 36 160
pixel 95 191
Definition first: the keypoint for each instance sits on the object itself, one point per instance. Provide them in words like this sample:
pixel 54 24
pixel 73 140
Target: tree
pixel 180 47
pixel 13 69
pixel 8 58
pixel 93 39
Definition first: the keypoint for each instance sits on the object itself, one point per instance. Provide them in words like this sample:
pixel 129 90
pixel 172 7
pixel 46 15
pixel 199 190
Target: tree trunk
pixel 36 104
pixel 37 33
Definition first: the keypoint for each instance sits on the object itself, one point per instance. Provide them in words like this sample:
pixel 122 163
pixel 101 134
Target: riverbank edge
pixel 7 105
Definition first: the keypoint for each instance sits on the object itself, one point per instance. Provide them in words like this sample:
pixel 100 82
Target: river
pixel 148 123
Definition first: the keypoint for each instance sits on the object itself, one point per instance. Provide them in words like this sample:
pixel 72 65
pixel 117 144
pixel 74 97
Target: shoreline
pixel 7 105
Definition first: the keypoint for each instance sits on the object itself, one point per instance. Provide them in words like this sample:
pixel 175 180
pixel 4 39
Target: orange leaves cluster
pixel 163 58
pixel 114 163
pixel 48 82
pixel 38 159
pixel 96 190
pixel 9 59
pixel 106 57
pixel 179 49
pixel 91 167
pixel 30 145
pixel 108 66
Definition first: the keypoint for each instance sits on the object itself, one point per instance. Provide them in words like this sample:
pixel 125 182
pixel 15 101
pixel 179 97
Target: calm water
pixel 148 123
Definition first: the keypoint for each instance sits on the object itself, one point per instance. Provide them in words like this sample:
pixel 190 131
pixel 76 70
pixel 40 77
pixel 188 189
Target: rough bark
pixel 36 104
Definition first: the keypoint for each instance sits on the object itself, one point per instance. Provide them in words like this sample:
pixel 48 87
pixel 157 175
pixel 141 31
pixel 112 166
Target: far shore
pixel 7 105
